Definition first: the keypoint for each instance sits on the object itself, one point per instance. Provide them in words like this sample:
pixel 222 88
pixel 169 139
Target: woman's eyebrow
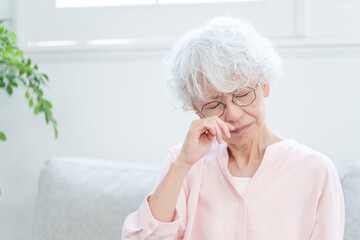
pixel 239 89
pixel 214 97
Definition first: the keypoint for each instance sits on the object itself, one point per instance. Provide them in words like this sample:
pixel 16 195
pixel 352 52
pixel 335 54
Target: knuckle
pixel 195 121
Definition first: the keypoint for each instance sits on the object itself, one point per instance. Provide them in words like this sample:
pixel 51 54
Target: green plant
pixel 15 70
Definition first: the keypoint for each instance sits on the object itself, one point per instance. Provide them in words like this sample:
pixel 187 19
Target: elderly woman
pixel 232 177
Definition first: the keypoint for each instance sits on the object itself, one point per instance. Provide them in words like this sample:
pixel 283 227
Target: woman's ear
pixel 196 111
pixel 266 89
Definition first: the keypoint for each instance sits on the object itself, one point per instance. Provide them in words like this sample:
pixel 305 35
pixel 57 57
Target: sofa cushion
pixel 81 198
pixel 350 181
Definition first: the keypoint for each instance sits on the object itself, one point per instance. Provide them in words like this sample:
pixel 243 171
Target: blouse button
pixel 151 225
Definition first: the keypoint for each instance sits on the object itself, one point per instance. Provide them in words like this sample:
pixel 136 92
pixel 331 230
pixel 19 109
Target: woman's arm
pixel 330 214
pixel 158 216
pixel 144 224
pixel 163 201
pixel 197 143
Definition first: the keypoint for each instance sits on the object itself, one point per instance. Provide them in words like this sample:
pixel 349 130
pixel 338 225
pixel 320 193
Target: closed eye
pixel 243 95
pixel 212 105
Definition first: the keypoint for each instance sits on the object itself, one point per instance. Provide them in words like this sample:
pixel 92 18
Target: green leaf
pixel 19 53
pixel 55 130
pixel 46 76
pixel 13 37
pixel 15 70
pixel 47 117
pixel 47 103
pixel 36 79
pixel 29 71
pixel 9 89
pixel 2 136
pixel 10 41
pixel 2 29
pixel 22 80
pixel 11 77
pixel 40 92
pixel 37 109
pixel 22 69
pixel 5 55
pixel 41 78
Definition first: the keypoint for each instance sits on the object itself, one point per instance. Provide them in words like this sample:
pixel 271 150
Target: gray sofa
pixel 89 199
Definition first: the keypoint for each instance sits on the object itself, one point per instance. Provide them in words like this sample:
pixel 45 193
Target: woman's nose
pixel 232 112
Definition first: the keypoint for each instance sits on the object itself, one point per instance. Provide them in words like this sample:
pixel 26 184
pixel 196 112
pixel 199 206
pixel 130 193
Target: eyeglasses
pixel 244 97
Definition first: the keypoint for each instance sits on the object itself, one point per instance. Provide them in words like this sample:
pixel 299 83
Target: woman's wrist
pixel 181 165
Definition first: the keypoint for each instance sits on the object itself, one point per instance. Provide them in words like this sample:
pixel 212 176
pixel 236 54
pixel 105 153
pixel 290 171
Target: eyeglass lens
pixel 242 98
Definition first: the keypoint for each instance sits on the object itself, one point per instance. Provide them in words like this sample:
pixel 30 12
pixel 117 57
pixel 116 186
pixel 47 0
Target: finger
pixel 212 131
pixel 219 137
pixel 225 129
pixel 210 137
pixel 204 127
pixel 208 127
pixel 212 125
pixel 221 134
pixel 231 127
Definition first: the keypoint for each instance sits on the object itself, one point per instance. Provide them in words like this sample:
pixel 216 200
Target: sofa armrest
pixel 83 198
pixel 350 181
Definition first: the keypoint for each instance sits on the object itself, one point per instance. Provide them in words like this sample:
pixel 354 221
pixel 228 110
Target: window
pixel 105 3
pixel 84 24
pixel 100 3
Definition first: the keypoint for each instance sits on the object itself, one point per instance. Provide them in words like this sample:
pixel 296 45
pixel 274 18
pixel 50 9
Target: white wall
pixel 5 9
pixel 111 102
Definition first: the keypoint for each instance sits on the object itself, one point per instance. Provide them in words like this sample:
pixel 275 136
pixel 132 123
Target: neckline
pixel 278 143
pixel 242 181
pixel 224 158
pixel 242 178
pixel 267 148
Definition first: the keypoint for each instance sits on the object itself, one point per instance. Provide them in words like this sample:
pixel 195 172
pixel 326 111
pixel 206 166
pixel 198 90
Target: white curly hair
pixel 226 54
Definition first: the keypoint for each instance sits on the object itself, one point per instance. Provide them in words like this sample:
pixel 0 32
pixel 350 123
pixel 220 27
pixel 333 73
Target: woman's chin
pixel 238 140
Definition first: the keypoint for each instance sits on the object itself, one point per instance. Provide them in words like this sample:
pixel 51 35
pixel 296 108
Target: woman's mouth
pixel 240 129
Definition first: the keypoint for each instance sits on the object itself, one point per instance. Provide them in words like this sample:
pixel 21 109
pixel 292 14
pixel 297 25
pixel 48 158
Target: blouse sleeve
pixel 330 214
pixel 141 224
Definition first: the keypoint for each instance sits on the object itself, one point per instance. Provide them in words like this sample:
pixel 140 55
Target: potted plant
pixel 15 70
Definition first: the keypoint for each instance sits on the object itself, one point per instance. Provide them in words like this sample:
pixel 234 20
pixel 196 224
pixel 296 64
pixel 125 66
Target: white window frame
pixel 108 3
pixel 56 28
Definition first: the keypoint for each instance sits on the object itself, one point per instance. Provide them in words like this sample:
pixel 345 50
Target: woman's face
pixel 237 116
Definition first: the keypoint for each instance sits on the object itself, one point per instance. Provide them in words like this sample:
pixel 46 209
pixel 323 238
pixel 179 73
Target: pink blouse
pixel 295 194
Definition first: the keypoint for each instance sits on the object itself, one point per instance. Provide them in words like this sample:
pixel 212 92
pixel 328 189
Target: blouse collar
pixel 267 161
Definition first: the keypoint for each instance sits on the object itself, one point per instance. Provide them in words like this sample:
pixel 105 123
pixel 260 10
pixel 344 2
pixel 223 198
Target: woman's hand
pixel 200 137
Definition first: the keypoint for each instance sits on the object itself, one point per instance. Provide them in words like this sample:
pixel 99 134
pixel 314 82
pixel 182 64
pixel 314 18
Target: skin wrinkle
pixel 247 149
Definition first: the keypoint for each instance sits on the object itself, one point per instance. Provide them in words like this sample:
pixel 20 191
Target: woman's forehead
pixel 210 92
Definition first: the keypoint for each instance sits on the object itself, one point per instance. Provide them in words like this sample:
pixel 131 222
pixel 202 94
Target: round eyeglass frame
pixel 232 99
